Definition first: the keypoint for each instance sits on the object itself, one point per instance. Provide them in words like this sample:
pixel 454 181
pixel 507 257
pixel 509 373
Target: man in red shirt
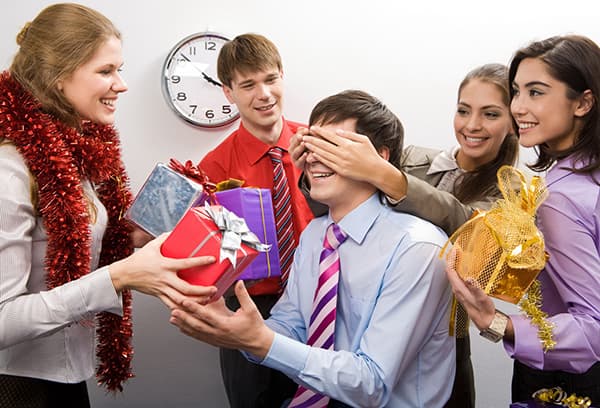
pixel 250 70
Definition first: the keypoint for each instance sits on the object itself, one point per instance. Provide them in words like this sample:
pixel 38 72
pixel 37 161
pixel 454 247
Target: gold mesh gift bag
pixel 503 250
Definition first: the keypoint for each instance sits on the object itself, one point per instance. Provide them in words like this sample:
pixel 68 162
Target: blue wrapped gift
pixel 163 200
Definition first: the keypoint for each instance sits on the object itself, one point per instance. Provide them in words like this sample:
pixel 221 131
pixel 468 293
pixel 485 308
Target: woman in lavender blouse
pixel 555 85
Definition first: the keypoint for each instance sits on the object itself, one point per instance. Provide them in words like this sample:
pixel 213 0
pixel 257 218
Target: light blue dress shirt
pixel 392 347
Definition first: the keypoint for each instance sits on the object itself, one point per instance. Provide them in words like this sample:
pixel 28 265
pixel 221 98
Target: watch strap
pixel 495 332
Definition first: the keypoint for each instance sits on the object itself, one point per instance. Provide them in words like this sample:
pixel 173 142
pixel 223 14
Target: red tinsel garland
pixel 59 157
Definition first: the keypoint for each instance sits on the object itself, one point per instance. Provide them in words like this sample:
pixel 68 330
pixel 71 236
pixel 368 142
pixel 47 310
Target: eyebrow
pixel 246 82
pixel 483 107
pixel 533 83
pixel 111 65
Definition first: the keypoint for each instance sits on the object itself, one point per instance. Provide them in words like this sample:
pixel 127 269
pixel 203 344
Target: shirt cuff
pixel 526 345
pixel 287 355
pixel 392 201
pixel 91 294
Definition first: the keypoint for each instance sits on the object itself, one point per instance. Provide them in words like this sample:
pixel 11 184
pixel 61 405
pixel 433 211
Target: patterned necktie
pixel 322 319
pixel 283 214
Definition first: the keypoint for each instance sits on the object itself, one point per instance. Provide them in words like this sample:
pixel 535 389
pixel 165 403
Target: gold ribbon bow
pixel 512 223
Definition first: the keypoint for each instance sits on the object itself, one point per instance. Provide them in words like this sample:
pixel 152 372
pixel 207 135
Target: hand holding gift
pixel 500 253
pixel 149 272
pixel 215 324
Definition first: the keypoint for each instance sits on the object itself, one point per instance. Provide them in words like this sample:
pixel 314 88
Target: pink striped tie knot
pixel 322 319
pixel 282 203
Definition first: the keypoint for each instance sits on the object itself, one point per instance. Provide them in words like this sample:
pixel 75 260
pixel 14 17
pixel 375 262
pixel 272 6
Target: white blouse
pixel 46 334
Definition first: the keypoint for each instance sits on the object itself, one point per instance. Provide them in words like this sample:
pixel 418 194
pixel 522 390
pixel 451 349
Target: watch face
pixel 190 83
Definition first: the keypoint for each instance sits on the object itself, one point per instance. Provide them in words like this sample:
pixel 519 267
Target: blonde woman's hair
pixel 59 40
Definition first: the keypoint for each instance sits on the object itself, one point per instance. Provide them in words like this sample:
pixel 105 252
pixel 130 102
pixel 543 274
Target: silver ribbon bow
pixel 235 231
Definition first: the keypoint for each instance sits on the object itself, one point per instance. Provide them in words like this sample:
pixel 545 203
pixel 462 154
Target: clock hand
pixel 210 80
pixel 204 75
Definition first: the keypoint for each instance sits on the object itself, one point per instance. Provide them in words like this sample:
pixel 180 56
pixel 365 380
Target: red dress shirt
pixel 243 156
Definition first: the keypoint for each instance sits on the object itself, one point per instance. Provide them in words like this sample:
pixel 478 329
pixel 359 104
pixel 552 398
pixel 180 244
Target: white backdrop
pixel 410 56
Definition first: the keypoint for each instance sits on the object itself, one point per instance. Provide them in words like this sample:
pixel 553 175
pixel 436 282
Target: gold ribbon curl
pixel 557 396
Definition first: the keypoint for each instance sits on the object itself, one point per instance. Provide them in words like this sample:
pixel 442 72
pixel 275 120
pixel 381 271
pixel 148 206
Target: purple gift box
pixel 255 206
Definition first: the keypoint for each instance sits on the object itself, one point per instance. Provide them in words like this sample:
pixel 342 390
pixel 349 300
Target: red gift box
pixel 196 234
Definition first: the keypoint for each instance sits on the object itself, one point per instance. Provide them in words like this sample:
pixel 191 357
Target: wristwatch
pixel 497 328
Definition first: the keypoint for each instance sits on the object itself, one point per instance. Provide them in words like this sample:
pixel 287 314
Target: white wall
pixel 410 56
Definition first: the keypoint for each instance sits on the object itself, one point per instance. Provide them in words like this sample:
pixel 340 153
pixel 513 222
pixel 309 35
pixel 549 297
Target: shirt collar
pixel 444 161
pixel 562 168
pixel 256 148
pixel 359 221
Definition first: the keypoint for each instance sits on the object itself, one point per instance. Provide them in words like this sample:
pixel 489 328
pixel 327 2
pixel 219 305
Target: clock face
pixel 190 84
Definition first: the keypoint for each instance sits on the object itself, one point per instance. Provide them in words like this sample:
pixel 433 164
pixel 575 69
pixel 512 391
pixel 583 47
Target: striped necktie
pixel 322 319
pixel 286 241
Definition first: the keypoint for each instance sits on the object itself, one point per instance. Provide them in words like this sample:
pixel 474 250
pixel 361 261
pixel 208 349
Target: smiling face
pixel 541 107
pixel 259 97
pixel 93 88
pixel 339 193
pixel 481 123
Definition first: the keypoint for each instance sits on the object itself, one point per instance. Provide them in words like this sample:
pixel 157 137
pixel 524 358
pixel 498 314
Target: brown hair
pixel 477 184
pixel 575 61
pixel 247 53
pixel 373 119
pixel 51 47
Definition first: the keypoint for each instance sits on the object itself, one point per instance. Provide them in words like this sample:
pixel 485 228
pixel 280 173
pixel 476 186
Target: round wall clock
pixel 190 84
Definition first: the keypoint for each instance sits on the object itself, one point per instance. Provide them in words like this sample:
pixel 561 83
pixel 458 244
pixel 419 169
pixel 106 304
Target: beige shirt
pixel 425 197
pixel 445 163
pixel 44 333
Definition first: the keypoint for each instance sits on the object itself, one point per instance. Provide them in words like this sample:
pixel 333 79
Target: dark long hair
pixel 575 61
pixel 480 183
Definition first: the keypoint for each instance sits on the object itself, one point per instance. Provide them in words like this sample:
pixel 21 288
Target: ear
pixel 228 93
pixel 585 104
pixel 59 86
pixel 385 153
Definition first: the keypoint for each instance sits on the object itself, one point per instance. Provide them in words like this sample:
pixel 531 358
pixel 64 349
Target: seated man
pixel 365 324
